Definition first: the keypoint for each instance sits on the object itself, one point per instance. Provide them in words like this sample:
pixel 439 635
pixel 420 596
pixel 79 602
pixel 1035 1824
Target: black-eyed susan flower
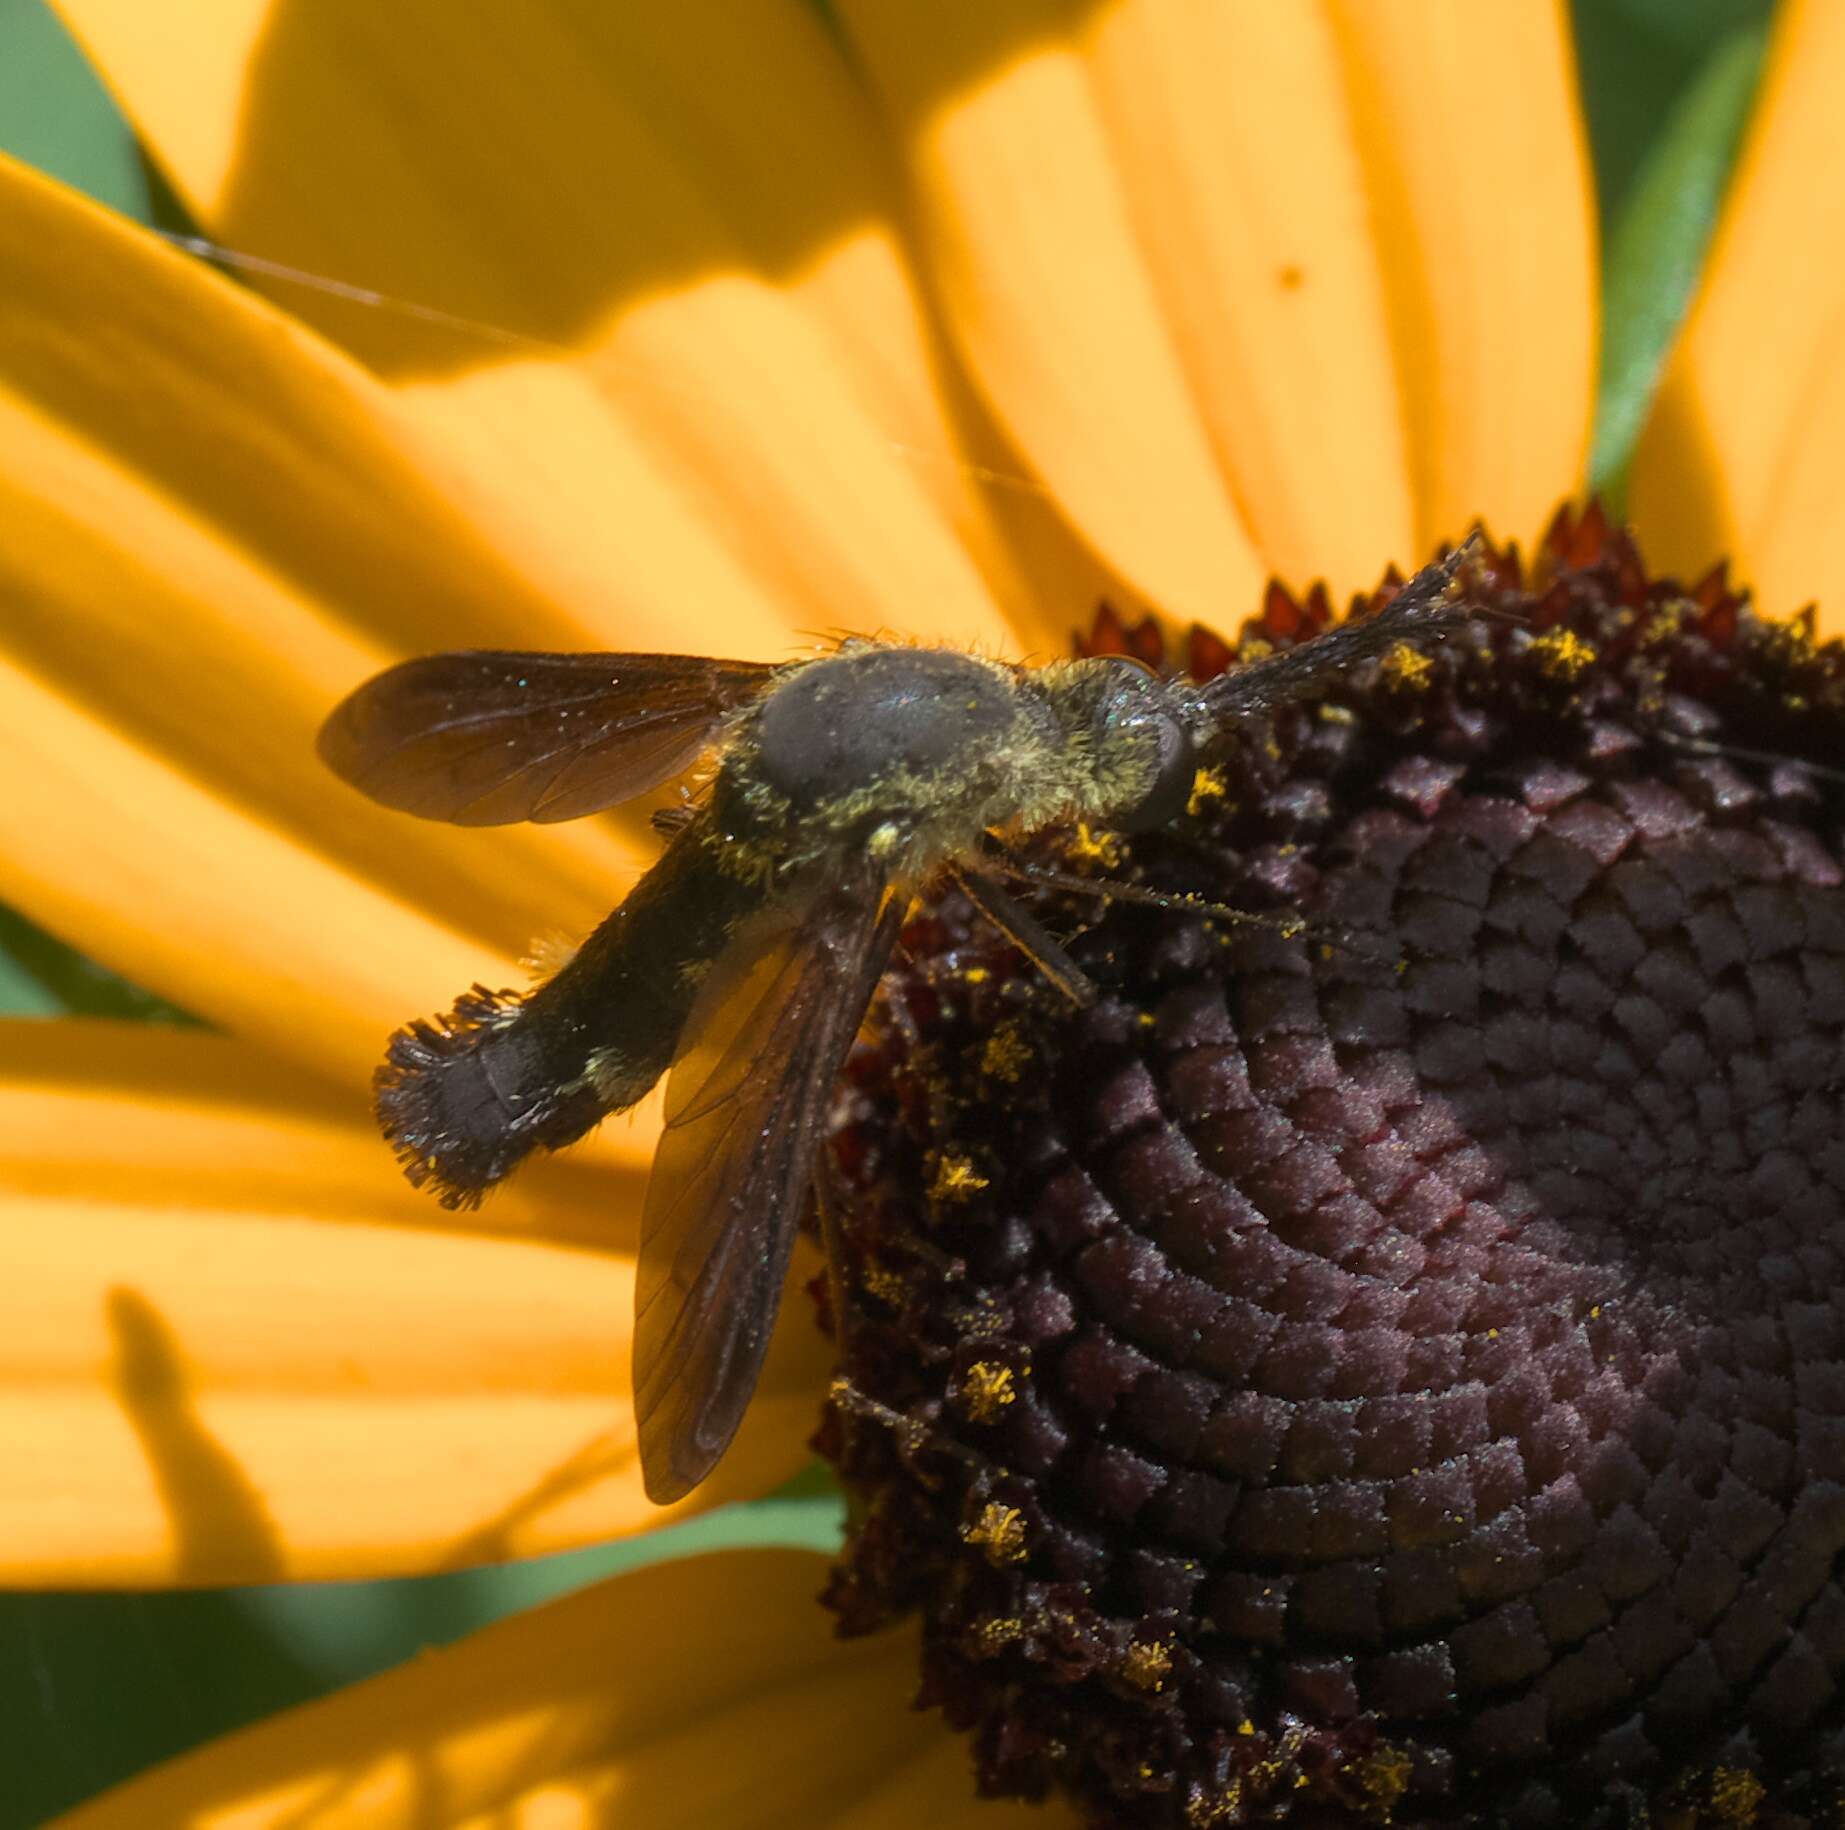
pixel 1236 292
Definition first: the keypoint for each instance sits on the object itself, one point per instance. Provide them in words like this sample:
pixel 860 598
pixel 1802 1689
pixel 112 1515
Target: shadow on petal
pixel 220 1523
pixel 648 154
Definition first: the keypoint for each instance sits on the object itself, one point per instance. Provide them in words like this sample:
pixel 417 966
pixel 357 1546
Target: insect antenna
pixel 1107 889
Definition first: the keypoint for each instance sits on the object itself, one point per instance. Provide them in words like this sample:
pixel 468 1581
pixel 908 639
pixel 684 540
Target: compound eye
pixel 1174 772
pixel 1133 664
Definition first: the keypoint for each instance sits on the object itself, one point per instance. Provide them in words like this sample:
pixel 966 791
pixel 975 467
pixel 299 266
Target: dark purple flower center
pixel 1395 1373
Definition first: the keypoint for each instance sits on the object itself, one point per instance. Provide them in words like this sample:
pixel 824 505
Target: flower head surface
pixel 1364 1365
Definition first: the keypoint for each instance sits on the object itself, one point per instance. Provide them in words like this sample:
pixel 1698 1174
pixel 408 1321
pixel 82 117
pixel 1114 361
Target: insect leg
pixel 1028 935
pixel 1107 889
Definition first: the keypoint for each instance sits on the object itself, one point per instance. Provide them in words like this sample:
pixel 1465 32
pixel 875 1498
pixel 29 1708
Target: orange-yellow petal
pixel 1745 452
pixel 1478 168
pixel 216 526
pixel 685 1695
pixel 236 1347
pixel 1198 251
pixel 676 403
pixel 1233 136
pixel 1032 245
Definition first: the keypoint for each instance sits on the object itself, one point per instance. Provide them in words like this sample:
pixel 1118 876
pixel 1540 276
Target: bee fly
pixel 745 957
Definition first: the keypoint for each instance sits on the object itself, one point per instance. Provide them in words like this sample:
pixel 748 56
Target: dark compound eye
pixel 1336 1389
pixel 1134 709
pixel 1174 774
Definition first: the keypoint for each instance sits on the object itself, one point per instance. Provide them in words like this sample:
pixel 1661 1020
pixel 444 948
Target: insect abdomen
pixel 464 1099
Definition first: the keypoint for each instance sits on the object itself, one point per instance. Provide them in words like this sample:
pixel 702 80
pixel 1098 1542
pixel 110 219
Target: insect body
pixel 744 959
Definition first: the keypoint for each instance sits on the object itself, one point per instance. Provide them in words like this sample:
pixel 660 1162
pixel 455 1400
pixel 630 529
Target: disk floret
pixel 1394 1373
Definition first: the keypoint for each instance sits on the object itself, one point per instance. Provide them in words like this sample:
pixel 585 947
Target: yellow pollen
pixel 956 1179
pixel 1001 1531
pixel 1385 1776
pixel 1147 1664
pixel 1006 1054
pixel 1207 785
pixel 1561 653
pixel 1406 667
pixel 1090 847
pixel 1667 621
pixel 976 975
pixel 1227 1808
pixel 986 1390
pixel 1734 1795
pixel 883 1283
pixel 1795 637
pixel 995 1635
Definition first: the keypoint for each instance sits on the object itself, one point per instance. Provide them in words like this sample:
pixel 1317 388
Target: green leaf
pixel 1657 247
pixel 41 977
pixel 1636 59
pixel 55 114
pixel 23 993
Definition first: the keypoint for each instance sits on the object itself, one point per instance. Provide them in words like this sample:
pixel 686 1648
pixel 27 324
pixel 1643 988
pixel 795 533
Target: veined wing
pixel 487 737
pixel 1421 613
pixel 746 1104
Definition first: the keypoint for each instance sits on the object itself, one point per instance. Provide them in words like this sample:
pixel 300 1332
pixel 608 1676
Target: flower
pixel 1396 1370
pixel 1231 289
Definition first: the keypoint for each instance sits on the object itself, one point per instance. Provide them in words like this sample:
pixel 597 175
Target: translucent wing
pixel 745 1107
pixel 487 737
pixel 1420 613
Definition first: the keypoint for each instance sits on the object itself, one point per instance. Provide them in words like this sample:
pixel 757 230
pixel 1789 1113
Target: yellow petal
pixel 672 426
pixel 690 1694
pixel 1032 246
pixel 217 526
pixel 1233 136
pixel 236 1347
pixel 1478 169
pixel 1745 451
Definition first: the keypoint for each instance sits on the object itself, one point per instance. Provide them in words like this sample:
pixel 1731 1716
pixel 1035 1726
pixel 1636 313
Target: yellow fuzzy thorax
pixel 1044 764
